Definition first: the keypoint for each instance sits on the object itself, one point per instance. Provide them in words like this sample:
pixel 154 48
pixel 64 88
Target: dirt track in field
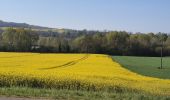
pixel 68 63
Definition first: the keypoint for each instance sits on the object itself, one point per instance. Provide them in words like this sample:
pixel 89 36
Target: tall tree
pixel 19 39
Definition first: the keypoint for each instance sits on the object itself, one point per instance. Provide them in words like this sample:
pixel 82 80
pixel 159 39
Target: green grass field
pixel 147 66
pixel 34 93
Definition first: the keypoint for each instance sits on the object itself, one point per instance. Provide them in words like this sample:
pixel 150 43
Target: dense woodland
pixel 72 41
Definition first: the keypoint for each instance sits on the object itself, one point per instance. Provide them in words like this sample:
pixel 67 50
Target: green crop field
pixel 147 66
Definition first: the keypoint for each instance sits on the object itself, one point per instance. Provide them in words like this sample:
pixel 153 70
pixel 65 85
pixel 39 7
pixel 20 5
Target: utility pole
pixel 161 51
pixel 161 56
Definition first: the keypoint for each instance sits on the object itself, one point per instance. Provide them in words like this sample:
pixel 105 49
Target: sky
pixel 122 15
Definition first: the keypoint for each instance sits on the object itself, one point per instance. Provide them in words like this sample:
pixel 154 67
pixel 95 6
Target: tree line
pixel 112 42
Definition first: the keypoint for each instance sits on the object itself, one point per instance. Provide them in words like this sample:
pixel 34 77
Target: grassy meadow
pixel 74 72
pixel 147 66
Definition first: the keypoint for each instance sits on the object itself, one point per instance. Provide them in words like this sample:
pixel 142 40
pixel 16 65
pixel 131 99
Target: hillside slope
pixel 18 25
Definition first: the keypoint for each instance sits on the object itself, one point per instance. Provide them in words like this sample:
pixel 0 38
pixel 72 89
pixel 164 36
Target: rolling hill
pixel 18 25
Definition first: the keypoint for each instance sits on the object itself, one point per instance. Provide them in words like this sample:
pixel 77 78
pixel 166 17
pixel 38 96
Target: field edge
pixel 35 93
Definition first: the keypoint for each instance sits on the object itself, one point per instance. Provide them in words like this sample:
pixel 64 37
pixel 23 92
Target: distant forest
pixel 74 41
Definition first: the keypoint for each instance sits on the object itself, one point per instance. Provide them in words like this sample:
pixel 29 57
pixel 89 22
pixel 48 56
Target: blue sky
pixel 129 15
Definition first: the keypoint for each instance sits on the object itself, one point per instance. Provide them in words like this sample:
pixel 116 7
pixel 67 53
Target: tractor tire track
pixel 70 63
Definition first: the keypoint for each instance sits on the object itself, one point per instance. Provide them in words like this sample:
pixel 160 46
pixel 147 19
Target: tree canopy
pixel 112 42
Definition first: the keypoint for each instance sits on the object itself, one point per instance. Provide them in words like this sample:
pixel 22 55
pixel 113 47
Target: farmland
pixel 87 72
pixel 147 66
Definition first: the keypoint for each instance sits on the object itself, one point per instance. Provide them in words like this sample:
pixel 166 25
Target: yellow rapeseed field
pixel 74 71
